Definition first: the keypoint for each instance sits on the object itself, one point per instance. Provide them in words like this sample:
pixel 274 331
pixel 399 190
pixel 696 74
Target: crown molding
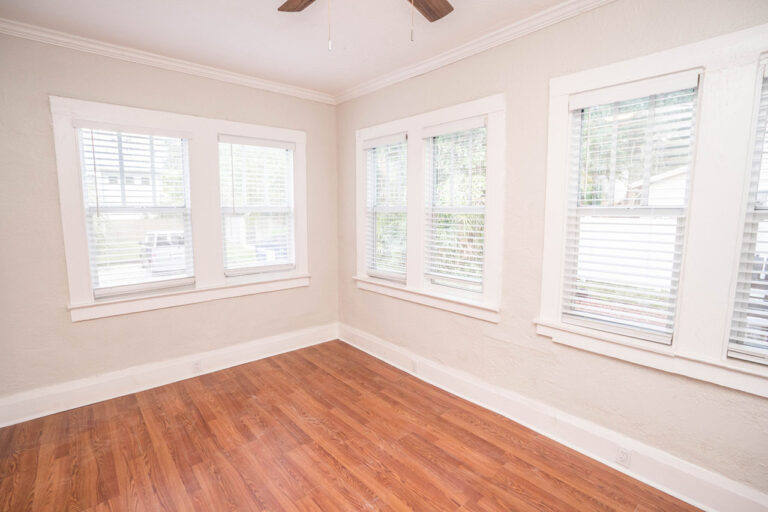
pixel 54 37
pixel 498 37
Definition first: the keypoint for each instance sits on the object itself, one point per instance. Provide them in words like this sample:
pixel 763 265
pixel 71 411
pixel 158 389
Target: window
pixel 654 224
pixel 148 223
pixel 630 166
pixel 455 221
pixel 430 201
pixel 386 207
pixel 749 329
pixel 256 205
pixel 128 226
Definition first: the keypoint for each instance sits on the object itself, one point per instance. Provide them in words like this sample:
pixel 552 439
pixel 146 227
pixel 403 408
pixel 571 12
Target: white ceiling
pixel 371 38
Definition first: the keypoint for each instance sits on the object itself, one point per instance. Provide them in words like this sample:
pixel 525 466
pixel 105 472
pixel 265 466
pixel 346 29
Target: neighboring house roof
pixel 660 177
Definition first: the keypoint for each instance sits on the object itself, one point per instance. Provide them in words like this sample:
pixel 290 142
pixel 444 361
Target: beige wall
pixel 717 428
pixel 39 345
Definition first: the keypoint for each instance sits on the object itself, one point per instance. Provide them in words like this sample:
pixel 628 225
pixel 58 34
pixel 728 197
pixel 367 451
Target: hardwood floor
pixel 320 429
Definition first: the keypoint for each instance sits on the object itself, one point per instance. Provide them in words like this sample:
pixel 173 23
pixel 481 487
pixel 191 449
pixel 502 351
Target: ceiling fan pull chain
pixel 412 9
pixel 330 45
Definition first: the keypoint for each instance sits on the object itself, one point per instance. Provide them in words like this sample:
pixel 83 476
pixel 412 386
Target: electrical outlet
pixel 624 457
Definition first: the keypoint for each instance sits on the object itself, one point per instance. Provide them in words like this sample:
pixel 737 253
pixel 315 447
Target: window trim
pixel 416 288
pixel 729 67
pixel 210 280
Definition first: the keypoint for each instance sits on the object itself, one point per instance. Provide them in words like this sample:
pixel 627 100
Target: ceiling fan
pixel 433 10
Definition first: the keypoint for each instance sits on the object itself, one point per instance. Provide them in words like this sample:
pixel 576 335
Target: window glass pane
pixel 137 207
pixel 636 152
pixel 457 163
pixel 257 206
pixel 625 269
pixel 386 204
pixel 631 164
pixel 455 223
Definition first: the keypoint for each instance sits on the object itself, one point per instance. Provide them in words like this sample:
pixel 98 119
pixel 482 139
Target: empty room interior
pixel 428 255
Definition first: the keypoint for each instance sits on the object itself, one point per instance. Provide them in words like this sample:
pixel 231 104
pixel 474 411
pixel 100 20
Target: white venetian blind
pixel 749 328
pixel 137 212
pixel 256 180
pixel 630 168
pixel 455 209
pixel 387 206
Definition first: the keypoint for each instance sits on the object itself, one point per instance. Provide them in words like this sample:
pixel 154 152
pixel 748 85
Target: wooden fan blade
pixel 294 5
pixel 433 10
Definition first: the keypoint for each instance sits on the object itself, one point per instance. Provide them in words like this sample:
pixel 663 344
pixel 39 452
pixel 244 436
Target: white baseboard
pixel 698 486
pixel 69 395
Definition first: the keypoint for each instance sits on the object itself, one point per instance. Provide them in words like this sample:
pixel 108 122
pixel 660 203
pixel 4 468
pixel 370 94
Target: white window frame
pixel 485 306
pixel 125 289
pixel 210 281
pixel 372 210
pixel 728 67
pixel 606 96
pixel 258 269
pixel 757 355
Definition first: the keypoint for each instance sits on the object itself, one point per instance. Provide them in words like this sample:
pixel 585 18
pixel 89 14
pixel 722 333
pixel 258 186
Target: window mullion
pixel 712 241
pixel 416 209
pixel 205 207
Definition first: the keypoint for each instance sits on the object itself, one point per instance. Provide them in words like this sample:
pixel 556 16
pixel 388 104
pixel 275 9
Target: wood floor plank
pixel 324 428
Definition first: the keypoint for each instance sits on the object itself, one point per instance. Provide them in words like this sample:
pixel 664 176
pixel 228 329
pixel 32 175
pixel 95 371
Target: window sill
pixel 728 373
pixel 458 305
pixel 168 299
